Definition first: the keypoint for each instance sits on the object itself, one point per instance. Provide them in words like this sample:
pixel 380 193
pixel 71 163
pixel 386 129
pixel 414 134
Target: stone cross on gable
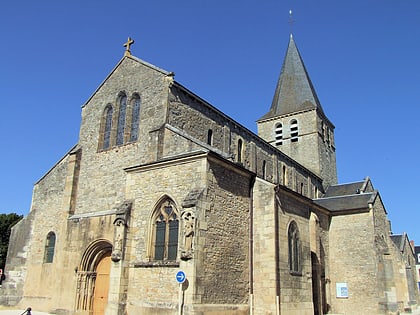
pixel 127 45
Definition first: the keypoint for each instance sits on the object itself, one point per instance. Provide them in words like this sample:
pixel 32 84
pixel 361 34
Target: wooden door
pixel 100 295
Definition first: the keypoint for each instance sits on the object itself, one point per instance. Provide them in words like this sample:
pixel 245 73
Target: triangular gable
pixel 145 63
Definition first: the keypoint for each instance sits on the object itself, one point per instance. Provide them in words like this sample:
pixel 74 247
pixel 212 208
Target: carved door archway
pixel 93 278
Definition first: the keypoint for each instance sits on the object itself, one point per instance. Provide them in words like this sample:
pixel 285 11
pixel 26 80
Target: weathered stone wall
pixel 266 286
pixel 153 288
pixel 353 261
pixel 218 270
pixel 196 118
pixel 52 286
pixel 314 149
pixel 102 177
pixel 17 259
pixel 224 278
pixel 296 288
pixel 41 288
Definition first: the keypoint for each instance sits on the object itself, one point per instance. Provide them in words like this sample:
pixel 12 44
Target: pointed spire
pixel 294 90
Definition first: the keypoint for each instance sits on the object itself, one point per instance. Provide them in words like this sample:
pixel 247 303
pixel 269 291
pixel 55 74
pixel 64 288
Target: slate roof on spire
pixel 294 90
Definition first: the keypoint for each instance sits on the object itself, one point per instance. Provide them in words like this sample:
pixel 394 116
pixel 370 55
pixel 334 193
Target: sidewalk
pixel 19 312
pixel 414 312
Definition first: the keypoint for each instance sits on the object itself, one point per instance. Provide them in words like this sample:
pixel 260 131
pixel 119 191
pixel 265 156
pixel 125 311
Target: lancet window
pixel 107 127
pixel 210 137
pixel 135 118
pixel 294 247
pixel 121 119
pixel 49 248
pixel 239 151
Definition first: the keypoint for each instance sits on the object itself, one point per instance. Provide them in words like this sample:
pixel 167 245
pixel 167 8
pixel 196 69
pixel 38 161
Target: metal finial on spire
pixel 291 21
pixel 127 46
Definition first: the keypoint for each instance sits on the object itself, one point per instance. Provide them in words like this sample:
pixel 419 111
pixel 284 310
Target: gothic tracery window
pixel 49 248
pixel 165 230
pixel 294 247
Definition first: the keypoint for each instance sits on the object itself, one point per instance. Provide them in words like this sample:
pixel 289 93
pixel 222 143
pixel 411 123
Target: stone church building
pixel 161 181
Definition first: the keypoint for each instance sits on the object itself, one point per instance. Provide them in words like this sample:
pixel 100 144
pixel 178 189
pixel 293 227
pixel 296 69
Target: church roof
pixel 349 188
pixel 343 189
pixel 400 240
pixel 347 202
pixel 294 91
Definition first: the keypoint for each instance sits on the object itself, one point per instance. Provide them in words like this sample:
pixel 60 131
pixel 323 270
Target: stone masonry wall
pixel 17 258
pixel 296 288
pixel 353 261
pixel 264 249
pixel 225 275
pixel 152 287
pixel 41 289
pixel 312 150
pixel 196 118
pixel 218 270
pixel 102 177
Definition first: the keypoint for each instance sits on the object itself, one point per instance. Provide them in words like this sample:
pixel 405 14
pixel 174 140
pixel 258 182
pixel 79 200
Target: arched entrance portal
pixel 93 278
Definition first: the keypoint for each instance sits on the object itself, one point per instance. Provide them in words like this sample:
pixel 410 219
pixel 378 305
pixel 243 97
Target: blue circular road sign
pixel 180 276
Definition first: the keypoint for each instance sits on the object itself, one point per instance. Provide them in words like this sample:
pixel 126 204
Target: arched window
pixel 263 169
pixel 210 137
pixel 121 119
pixel 49 248
pixel 294 247
pixel 165 231
pixel 135 118
pixel 239 153
pixel 278 133
pixel 294 130
pixel 107 127
pixel 284 175
pixel 328 135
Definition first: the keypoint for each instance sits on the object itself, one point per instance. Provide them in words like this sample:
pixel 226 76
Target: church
pixel 166 205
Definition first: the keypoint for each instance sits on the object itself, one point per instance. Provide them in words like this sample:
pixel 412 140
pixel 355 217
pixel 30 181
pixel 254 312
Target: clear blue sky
pixel 363 58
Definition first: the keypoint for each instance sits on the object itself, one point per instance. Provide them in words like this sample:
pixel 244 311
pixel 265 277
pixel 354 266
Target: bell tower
pixel 296 123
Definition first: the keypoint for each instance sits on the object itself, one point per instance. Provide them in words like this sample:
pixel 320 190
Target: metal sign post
pixel 180 278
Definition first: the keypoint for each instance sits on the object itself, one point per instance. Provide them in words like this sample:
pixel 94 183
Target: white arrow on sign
pixel 180 276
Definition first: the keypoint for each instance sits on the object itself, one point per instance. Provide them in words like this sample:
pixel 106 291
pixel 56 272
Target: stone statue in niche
pixel 117 249
pixel 189 227
pixel 120 227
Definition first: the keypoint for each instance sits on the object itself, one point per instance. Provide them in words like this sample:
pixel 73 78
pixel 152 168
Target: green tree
pixel 6 223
